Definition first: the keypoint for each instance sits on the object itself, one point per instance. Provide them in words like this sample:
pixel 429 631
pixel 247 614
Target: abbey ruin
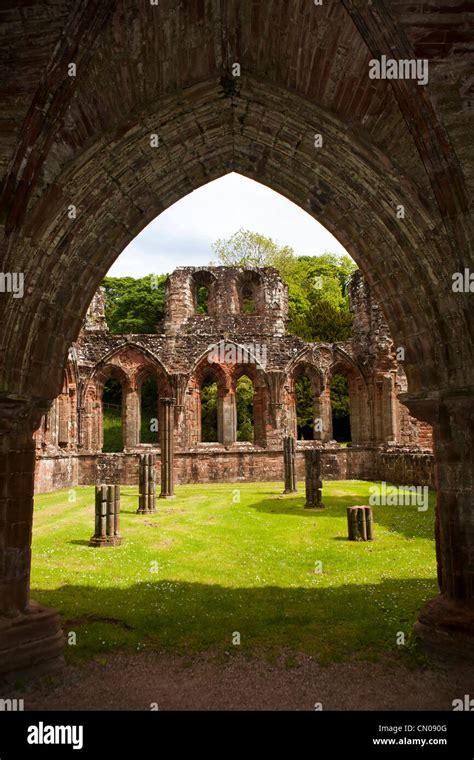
pixel 242 333
pixel 155 109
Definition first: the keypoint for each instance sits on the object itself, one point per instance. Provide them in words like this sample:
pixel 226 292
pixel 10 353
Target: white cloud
pixel 183 234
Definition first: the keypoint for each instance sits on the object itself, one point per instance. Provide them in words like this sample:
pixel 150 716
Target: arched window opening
pixel 112 416
pixel 203 289
pixel 209 401
pixel 244 399
pixel 248 300
pixel 341 423
pixel 251 294
pixel 304 401
pixel 203 300
pixel 149 411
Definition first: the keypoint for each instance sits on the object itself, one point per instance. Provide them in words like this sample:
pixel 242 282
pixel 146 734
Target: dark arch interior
pixel 209 410
pixel 340 409
pixel 250 293
pixel 304 401
pixel 112 401
pixel 149 411
pixel 202 294
pixel 244 399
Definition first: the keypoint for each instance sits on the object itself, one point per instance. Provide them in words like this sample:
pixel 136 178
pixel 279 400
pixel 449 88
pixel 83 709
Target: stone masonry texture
pixel 80 180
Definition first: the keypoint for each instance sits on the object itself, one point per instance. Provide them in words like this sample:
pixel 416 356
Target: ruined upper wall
pixel 371 337
pixel 232 289
pixel 236 298
pixel 95 320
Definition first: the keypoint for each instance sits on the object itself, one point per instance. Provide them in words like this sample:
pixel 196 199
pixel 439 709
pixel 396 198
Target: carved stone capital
pixel 179 383
pixel 276 382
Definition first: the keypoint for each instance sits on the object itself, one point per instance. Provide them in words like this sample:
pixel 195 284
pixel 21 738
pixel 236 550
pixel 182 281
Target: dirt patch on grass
pixel 165 543
pixel 205 682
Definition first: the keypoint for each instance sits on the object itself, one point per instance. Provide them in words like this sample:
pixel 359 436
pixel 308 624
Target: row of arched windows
pixel 306 427
pixel 249 290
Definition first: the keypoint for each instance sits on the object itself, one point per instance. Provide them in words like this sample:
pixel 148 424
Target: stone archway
pixel 304 368
pixel 86 167
pixel 205 370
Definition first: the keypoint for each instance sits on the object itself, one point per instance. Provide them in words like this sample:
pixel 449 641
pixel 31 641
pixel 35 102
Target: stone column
pixel 63 419
pixel 179 384
pixel 289 459
pixel 446 623
pixel 259 413
pixel 226 419
pixel 371 416
pixel 379 410
pixel 361 423
pixel 146 483
pixel 360 523
pixel 130 418
pixel 107 516
pixel 386 410
pixel 167 447
pixel 326 414
pixel 31 639
pixel 394 432
pixel 314 484
pixel 318 422
pixel 276 396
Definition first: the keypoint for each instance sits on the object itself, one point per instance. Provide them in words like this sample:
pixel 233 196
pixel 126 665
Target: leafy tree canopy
pixel 250 249
pixel 244 393
pixel 134 306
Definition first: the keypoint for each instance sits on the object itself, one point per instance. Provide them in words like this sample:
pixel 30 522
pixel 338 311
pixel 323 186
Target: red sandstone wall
pixel 400 466
pixel 55 473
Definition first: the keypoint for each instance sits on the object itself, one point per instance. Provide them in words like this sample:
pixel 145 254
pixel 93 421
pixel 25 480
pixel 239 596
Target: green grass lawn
pixel 204 567
pixel 112 421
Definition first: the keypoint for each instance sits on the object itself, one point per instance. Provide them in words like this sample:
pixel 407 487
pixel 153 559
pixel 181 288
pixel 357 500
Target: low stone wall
pixel 56 473
pixel 216 464
pixel 406 467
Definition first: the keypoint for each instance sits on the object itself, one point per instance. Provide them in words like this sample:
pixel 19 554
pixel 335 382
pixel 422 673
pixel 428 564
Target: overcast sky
pixel 183 234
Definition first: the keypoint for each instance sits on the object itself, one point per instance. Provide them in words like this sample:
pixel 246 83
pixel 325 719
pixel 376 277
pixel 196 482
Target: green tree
pixel 134 306
pixel 208 411
pixel 340 408
pixel 318 306
pixel 304 407
pixel 244 393
pixel 246 248
pixel 112 416
pixel 148 411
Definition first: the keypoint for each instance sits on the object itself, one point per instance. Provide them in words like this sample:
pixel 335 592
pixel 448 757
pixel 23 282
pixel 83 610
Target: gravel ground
pixel 134 682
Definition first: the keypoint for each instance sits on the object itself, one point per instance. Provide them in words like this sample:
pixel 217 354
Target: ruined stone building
pixel 243 332
pixel 82 144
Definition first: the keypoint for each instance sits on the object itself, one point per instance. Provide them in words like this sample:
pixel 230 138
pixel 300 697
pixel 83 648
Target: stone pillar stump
pixel 147 484
pixel 313 482
pixel 107 516
pixel 360 523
